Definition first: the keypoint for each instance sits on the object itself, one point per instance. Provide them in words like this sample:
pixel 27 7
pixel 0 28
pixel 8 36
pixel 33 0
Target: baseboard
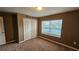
pixel 25 40
pixel 10 41
pixel 22 41
pixel 59 43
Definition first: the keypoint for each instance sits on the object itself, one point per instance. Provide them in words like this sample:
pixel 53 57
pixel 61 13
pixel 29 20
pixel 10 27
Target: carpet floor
pixel 36 44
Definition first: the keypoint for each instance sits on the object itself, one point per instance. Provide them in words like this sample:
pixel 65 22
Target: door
pixel 27 28
pixel 33 28
pixel 30 28
pixel 2 32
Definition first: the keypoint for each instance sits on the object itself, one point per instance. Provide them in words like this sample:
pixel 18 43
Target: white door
pixel 2 33
pixel 27 28
pixel 30 28
pixel 33 28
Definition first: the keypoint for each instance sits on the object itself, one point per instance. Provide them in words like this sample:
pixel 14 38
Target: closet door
pixel 30 28
pixel 2 32
pixel 33 28
pixel 27 28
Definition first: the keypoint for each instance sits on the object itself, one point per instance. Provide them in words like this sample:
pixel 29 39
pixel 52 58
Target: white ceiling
pixel 32 11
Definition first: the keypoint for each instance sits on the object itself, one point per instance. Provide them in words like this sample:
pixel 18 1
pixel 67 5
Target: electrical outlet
pixel 74 43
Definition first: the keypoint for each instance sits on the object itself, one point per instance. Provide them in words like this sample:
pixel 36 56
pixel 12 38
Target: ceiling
pixel 32 11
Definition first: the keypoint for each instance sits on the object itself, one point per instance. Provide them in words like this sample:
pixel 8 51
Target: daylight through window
pixel 52 27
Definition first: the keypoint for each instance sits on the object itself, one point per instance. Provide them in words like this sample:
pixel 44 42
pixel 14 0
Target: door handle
pixel 2 32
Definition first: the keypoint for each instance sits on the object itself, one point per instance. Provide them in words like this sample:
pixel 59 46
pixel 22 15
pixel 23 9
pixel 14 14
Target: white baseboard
pixel 59 43
pixel 22 41
pixel 25 40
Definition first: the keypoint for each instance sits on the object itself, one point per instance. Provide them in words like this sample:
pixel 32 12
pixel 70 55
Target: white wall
pixel 30 28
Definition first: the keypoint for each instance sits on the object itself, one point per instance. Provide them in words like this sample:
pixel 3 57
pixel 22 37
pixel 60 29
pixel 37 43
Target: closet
pixel 2 32
pixel 30 28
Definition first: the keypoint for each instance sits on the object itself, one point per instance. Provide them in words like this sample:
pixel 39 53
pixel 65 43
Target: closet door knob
pixel 2 32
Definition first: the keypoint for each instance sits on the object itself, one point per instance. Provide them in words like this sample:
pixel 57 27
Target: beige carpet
pixel 33 45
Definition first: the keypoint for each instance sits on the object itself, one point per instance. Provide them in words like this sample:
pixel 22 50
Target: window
pixel 52 27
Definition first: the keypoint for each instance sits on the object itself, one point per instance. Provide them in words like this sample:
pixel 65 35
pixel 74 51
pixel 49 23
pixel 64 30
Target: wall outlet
pixel 74 43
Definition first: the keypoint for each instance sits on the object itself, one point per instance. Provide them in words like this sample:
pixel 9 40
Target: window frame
pixel 49 28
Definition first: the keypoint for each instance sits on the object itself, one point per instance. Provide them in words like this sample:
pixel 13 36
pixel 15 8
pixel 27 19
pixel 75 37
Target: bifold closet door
pixel 30 28
pixel 2 32
pixel 27 28
pixel 33 28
